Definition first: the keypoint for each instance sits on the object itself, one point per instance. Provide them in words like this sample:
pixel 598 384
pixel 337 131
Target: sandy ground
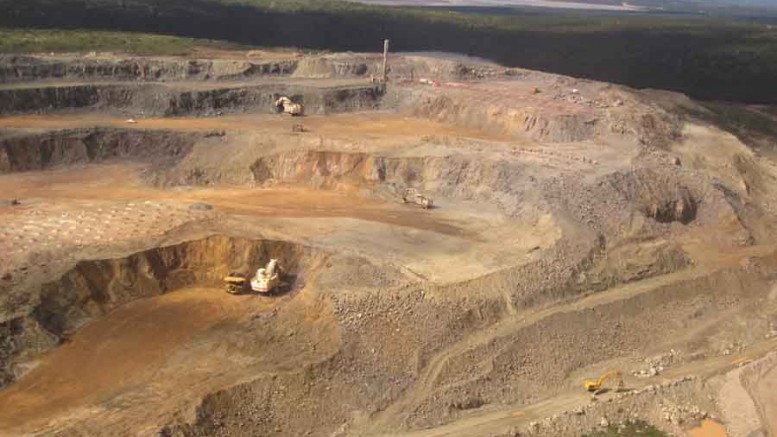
pixel 708 428
pixel 365 125
pixel 151 349
pixel 88 185
pixel 747 397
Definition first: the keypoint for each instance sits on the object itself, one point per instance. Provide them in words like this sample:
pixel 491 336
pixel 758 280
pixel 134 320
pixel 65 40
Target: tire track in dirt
pixel 425 384
pixel 491 422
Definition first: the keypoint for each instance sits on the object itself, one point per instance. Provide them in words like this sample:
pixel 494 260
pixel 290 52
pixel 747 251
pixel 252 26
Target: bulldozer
pixel 597 386
pixel 267 278
pixel 411 195
pixel 289 107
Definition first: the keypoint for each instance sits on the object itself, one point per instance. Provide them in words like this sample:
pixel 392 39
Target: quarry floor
pixel 349 125
pixel 147 356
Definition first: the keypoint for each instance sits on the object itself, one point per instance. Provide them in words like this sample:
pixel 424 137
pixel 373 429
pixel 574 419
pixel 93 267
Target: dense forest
pixel 708 58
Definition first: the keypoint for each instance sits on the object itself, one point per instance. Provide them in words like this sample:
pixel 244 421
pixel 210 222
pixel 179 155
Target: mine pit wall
pixel 168 100
pixel 18 69
pixel 323 67
pixel 94 288
pixel 664 198
pixel 640 124
pixel 28 152
pixel 30 68
pixel 451 176
pixel 663 194
pixel 571 269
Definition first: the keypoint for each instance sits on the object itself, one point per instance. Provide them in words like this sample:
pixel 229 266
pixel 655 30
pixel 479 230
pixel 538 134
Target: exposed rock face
pixel 166 100
pixel 51 149
pixel 94 288
pixel 453 175
pixel 545 123
pixel 324 67
pixel 28 68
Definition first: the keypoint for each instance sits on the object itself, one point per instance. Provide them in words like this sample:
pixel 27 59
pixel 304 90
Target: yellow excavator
pixel 597 386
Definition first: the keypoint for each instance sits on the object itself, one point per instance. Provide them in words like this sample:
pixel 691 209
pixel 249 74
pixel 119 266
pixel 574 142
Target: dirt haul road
pixel 359 125
pixel 488 423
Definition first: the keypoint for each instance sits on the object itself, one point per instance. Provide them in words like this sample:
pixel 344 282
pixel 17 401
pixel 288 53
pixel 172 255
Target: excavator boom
pixel 596 385
pixel 267 278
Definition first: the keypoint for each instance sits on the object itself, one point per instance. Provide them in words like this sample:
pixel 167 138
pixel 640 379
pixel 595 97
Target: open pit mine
pixel 295 244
